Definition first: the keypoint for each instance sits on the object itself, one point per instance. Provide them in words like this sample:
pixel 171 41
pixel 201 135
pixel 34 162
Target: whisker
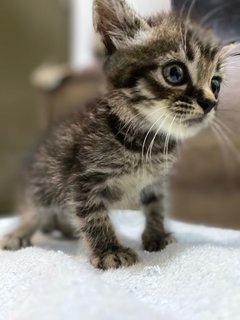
pixel 152 142
pixel 181 126
pixel 232 66
pixel 212 12
pixel 229 110
pixel 228 142
pixel 145 139
pixel 188 20
pixel 235 55
pixel 150 114
pixel 181 19
pixel 133 125
pixel 154 138
pixel 224 126
pixel 166 144
pixel 225 155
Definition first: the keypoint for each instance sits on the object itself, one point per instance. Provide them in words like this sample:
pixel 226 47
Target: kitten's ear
pixel 229 50
pixel 116 22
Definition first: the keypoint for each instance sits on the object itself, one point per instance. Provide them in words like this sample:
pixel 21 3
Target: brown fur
pixel 124 143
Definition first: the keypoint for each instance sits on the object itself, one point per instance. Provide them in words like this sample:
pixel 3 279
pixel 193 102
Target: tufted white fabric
pixel 196 278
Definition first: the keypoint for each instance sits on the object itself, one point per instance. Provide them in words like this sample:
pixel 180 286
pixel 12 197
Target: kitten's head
pixel 168 68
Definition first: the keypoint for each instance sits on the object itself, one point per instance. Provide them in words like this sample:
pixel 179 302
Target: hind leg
pixel 21 236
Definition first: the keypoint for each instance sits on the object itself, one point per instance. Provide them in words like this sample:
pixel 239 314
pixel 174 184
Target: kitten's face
pixel 169 71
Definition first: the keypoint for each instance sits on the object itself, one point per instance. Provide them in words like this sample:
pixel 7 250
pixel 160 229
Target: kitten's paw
pixel 157 242
pixel 121 257
pixel 13 242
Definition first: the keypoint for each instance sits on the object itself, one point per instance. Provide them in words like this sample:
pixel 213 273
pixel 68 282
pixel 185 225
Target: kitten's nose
pixel 206 104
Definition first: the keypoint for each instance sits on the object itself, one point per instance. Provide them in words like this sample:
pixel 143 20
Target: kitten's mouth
pixel 195 120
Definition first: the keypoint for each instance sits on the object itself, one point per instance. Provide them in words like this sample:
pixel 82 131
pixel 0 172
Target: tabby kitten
pixel 163 79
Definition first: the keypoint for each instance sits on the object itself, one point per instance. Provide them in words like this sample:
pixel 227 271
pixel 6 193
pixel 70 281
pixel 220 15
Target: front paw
pixel 120 257
pixel 157 242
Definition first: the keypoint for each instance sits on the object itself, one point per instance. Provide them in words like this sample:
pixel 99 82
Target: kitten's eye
pixel 216 86
pixel 174 74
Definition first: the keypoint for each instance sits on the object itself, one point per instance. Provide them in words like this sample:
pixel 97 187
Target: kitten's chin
pixel 191 127
pixel 192 130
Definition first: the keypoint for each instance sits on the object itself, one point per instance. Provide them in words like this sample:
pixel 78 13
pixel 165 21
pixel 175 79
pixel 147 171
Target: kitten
pixel 163 79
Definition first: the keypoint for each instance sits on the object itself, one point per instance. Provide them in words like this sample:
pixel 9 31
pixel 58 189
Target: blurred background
pixel 48 67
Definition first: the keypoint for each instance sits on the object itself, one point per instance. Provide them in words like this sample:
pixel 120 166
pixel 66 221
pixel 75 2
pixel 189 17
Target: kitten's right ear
pixel 116 22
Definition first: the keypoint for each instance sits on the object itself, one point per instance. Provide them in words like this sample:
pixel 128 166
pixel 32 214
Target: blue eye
pixel 175 74
pixel 216 86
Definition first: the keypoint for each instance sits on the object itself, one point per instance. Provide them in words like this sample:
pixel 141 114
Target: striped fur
pixel 120 149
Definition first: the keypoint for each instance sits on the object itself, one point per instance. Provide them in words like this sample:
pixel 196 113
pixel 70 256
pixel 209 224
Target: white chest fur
pixel 132 184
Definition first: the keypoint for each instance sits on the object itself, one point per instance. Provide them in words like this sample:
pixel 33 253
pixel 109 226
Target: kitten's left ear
pixel 116 22
pixel 231 49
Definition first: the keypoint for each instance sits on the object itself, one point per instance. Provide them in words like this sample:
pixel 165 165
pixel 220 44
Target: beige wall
pixel 31 32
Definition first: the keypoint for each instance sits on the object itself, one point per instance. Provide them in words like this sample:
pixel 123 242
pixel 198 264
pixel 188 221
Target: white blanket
pixel 196 278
